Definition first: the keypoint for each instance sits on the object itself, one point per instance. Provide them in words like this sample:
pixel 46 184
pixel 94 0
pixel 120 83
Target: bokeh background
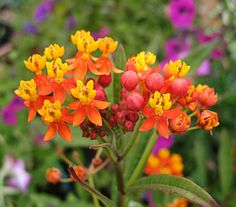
pixel 201 32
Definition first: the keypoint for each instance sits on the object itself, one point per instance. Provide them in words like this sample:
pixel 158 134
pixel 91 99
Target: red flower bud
pixel 207 120
pixel 93 135
pixel 102 133
pixel 53 175
pixel 135 102
pixel 100 95
pixel 85 133
pixel 133 116
pixel 120 117
pixel 179 87
pixel 206 96
pixel 154 82
pixel 112 121
pixel 105 80
pixel 129 126
pixel 114 108
pixel 129 80
pixel 96 162
pixel 181 123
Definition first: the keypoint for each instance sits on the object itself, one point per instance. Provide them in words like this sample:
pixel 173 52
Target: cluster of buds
pixel 54 175
pixel 164 163
pixel 65 94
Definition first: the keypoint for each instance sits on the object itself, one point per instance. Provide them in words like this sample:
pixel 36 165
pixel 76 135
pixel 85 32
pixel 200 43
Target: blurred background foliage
pixel 137 25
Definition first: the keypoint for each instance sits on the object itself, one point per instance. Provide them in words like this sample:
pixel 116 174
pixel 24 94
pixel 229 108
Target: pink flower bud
pixel 120 117
pixel 129 80
pixel 135 102
pixel 154 82
pixel 100 95
pixel 105 80
pixel 114 108
pixel 179 87
pixel 112 121
pixel 129 126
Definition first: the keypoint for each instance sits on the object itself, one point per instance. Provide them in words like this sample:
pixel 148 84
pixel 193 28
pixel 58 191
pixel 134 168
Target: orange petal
pixel 64 131
pixel 172 113
pixel 101 104
pixel 66 116
pixel 148 124
pixel 59 93
pixel 68 84
pixel 80 72
pixel 148 111
pixel 51 132
pixel 93 69
pixel 162 127
pixel 32 113
pixel 79 116
pixel 94 115
pixel 74 105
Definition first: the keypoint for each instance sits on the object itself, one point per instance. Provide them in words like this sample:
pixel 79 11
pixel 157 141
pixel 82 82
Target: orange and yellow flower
pixel 56 119
pixel 164 163
pixel 86 106
pixel 159 113
pixel 207 120
pixel 35 63
pixel 28 92
pixel 52 52
pixel 103 64
pixel 83 60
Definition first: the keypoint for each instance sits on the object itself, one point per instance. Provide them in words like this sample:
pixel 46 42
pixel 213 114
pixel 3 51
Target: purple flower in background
pixel 205 38
pixel 18 177
pixel 30 28
pixel 162 142
pixel 101 33
pixel 43 10
pixel 205 68
pixel 9 113
pixel 217 53
pixel 176 48
pixel 182 13
pixel 71 22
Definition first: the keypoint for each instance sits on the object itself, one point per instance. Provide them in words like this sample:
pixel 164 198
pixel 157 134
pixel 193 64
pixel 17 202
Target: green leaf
pixel 198 55
pixel 120 63
pixel 225 159
pixel 154 44
pixel 136 153
pixel 177 185
pixel 201 155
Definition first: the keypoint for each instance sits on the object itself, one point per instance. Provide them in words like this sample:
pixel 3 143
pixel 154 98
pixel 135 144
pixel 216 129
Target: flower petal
pixel 32 113
pixel 65 131
pixel 59 93
pixel 172 113
pixel 162 127
pixel 79 116
pixel 94 115
pixel 74 105
pixel 68 84
pixel 66 116
pixel 80 72
pixel 51 132
pixel 101 104
pixel 148 124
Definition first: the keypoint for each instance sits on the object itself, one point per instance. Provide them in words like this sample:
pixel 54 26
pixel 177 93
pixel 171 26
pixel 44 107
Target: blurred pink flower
pixel 205 68
pixel 17 176
pixel 182 13
pixel 101 33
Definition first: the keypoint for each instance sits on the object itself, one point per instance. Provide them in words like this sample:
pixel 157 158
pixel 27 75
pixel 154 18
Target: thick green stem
pixel 132 140
pixel 95 200
pixel 120 184
pixel 139 168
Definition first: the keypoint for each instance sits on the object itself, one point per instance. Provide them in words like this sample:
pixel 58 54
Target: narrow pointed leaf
pixel 120 63
pixel 198 55
pixel 225 163
pixel 175 185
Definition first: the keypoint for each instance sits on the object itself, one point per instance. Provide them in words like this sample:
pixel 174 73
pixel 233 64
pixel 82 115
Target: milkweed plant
pixel 118 105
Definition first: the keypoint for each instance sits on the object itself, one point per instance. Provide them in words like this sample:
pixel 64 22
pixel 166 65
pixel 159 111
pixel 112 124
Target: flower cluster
pixel 164 163
pixel 68 92
pixel 165 96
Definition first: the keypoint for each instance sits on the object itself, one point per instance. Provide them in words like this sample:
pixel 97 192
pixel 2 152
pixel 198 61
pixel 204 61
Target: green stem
pixel 139 168
pixel 120 184
pixel 132 140
pixel 193 128
pixel 95 200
